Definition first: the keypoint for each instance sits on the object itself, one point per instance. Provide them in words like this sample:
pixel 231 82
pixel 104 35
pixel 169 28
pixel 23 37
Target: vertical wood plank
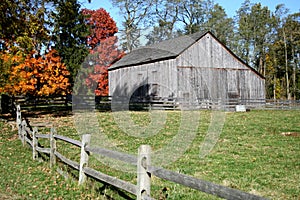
pixel 143 177
pixel 18 120
pixel 52 147
pixel 23 132
pixel 84 158
pixel 34 143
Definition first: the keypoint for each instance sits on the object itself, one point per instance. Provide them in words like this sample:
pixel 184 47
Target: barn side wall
pixel 153 79
pixel 208 70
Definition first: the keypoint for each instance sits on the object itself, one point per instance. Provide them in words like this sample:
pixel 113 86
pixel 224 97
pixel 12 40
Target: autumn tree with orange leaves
pixel 42 76
pixel 104 51
pixel 30 67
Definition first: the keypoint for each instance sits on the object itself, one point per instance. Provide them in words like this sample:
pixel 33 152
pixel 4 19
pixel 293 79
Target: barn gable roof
pixel 168 49
pixel 161 51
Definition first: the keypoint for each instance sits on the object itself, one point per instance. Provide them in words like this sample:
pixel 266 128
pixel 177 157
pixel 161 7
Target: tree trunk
pixel 274 87
pixel 294 74
pixel 286 67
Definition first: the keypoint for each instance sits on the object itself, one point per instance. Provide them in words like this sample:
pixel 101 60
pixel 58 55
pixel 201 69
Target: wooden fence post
pixel 84 158
pixel 143 177
pixel 19 120
pixel 34 143
pixel 23 132
pixel 52 147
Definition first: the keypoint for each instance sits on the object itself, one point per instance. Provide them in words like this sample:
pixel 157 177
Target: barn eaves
pixel 161 51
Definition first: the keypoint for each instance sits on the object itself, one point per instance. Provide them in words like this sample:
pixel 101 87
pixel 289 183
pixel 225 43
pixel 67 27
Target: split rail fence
pixel 143 163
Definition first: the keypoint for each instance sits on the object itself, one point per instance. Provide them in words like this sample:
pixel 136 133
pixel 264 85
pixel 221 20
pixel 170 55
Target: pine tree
pixel 69 35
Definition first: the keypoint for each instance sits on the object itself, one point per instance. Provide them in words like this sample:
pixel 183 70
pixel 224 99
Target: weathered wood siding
pixel 208 70
pixel 156 79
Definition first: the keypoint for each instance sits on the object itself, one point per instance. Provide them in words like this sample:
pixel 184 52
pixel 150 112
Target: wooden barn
pixel 194 69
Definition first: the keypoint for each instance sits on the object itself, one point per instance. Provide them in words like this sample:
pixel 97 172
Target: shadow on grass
pixel 38 112
pixel 102 191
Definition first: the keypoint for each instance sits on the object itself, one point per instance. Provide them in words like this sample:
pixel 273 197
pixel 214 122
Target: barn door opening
pixel 140 89
pixel 141 94
pixel 146 88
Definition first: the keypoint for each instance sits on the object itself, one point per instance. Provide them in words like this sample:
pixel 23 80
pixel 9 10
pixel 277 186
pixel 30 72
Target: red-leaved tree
pixel 103 49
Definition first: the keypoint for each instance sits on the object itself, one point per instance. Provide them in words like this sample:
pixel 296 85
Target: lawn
pixel 257 152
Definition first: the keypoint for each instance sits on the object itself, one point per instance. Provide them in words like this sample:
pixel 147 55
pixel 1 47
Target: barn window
pixel 233 94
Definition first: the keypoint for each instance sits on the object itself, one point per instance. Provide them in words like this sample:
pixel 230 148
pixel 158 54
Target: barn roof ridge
pixel 164 50
pixel 168 49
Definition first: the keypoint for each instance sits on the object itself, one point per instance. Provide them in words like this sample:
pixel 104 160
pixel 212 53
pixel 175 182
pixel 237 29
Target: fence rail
pixel 201 185
pixel 172 103
pixel 113 154
pixel 40 101
pixel 143 162
pixel 154 103
pixel 129 187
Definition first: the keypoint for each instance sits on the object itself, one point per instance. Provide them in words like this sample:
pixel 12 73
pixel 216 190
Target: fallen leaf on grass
pixel 294 134
pixel 14 137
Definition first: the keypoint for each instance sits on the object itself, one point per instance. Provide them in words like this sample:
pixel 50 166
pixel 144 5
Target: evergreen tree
pixel 244 31
pixel 70 35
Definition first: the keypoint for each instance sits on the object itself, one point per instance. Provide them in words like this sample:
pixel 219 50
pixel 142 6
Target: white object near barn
pixel 240 108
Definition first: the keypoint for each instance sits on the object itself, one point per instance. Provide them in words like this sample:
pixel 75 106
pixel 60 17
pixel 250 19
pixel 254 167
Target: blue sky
pixel 230 6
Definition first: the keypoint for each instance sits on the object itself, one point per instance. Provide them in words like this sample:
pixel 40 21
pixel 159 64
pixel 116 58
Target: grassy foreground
pixel 257 152
pixel 23 178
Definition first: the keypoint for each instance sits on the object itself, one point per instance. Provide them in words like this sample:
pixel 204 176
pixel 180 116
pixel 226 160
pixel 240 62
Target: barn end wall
pixel 215 73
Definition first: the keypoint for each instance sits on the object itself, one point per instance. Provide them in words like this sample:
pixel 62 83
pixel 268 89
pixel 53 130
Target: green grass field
pixel 257 152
